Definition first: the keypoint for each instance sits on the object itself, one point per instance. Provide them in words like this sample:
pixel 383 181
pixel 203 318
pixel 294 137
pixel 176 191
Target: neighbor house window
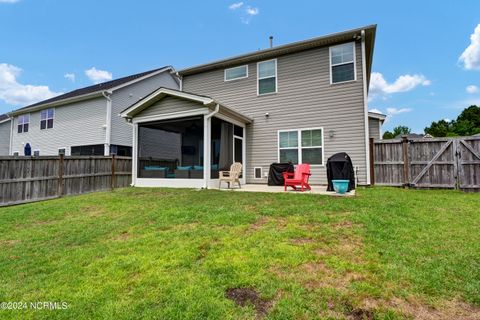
pixel 342 62
pixel 236 73
pixel 46 118
pixel 23 122
pixel 301 146
pixel 267 76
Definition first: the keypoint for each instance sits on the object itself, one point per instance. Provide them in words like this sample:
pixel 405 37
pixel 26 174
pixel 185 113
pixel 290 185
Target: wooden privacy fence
pixel 26 179
pixel 427 163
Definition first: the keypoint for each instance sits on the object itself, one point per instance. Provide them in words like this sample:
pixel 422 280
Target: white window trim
pixel 47 118
pixel 299 148
pixel 225 73
pixel 18 123
pixel 261 173
pixel 258 78
pixel 339 64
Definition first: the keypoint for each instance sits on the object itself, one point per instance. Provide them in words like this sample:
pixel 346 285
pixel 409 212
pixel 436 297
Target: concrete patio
pixel 273 189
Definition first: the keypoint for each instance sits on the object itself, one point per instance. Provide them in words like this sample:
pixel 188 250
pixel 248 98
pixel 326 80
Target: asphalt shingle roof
pixel 95 88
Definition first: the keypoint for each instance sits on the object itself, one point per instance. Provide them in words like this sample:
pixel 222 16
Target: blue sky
pixel 48 47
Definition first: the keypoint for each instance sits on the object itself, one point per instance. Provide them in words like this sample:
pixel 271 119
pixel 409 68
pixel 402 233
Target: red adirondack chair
pixel 299 178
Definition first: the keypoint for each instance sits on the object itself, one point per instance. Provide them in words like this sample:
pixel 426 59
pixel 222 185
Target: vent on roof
pixel 271 41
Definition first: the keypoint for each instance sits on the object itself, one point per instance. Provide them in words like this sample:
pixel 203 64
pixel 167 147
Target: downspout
pixel 206 145
pixel 108 132
pixel 10 147
pixel 365 106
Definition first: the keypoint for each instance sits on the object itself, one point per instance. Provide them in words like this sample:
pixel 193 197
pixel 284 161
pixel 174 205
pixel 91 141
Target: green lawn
pixel 183 254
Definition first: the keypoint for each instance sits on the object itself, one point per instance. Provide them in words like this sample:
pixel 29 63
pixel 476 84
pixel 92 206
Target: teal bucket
pixel 340 186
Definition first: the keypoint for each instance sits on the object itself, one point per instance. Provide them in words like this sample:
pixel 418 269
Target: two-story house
pixel 5 128
pixel 300 103
pixel 85 121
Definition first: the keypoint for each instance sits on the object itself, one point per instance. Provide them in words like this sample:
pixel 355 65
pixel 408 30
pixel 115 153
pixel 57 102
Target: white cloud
pixel 471 89
pixel 391 112
pixel 247 13
pixel 252 11
pixel 18 94
pixel 70 76
pixel 235 6
pixel 404 83
pixel 8 1
pixel 447 119
pixel 374 110
pixel 471 55
pixel 395 111
pixel 97 76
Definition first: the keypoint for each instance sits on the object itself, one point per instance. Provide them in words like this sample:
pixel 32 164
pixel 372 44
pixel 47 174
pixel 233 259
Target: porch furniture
pixel 340 167
pixel 153 172
pixel 299 178
pixel 275 173
pixel 231 176
pixel 183 172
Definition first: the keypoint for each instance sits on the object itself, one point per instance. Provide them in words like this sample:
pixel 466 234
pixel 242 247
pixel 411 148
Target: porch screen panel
pixel 171 149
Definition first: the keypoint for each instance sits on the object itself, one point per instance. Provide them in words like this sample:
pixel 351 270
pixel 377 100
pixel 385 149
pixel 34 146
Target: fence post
pixel 372 161
pixel 113 172
pixel 406 182
pixel 60 175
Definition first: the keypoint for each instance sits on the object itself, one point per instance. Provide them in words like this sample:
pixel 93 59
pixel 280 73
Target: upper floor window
pixel 342 62
pixel 23 122
pixel 46 118
pixel 236 73
pixel 301 146
pixel 267 76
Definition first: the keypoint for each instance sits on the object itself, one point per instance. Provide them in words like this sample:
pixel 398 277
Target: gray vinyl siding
pixel 305 99
pixel 80 123
pixel 170 105
pixel 123 98
pixel 5 138
pixel 374 128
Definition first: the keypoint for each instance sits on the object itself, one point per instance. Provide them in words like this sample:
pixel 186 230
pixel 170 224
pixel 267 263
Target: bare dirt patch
pixel 249 296
pixel 418 309
pixel 259 223
pixel 123 236
pixel 302 241
pixel 9 243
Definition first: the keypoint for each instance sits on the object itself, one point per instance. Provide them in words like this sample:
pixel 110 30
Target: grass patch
pixel 186 254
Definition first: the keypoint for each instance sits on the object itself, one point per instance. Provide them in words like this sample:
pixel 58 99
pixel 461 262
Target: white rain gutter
pixel 206 145
pixel 365 106
pixel 108 125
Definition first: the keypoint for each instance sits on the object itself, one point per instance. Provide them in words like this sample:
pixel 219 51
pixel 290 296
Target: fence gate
pixel 468 154
pixel 452 163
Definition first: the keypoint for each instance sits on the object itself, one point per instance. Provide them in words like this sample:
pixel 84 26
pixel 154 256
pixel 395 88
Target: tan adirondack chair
pixel 231 176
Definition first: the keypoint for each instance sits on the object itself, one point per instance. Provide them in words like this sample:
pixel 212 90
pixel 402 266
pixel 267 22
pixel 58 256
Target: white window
pixel 267 77
pixel 301 146
pixel 342 63
pixel 46 118
pixel 236 73
pixel 23 122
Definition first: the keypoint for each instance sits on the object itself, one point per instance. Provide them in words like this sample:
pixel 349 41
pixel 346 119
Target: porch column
pixel 206 150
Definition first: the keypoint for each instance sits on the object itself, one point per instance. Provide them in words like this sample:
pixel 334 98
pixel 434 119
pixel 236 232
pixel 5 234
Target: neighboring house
pixel 413 136
pixel 85 121
pixel 375 122
pixel 5 128
pixel 300 102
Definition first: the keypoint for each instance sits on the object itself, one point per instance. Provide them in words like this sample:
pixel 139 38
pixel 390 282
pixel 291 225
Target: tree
pixel 438 129
pixel 398 130
pixel 466 124
pixel 388 135
pixel 401 130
